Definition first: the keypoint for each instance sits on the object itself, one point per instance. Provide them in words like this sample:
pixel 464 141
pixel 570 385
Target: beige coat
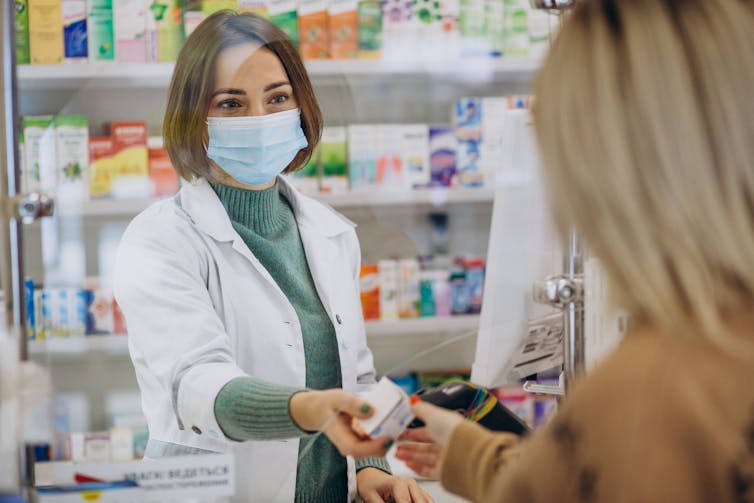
pixel 660 421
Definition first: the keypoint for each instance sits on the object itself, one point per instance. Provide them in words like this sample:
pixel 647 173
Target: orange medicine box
pixel 344 29
pixel 130 149
pixel 161 170
pixel 314 33
pixel 369 279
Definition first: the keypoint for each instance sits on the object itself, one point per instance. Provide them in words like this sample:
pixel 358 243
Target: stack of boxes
pixel 137 31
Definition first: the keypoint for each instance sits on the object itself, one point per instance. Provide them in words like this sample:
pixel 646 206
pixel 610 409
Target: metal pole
pixel 573 315
pixel 10 227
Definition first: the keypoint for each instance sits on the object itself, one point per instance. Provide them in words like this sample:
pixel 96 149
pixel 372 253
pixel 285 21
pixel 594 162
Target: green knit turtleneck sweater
pixel 251 409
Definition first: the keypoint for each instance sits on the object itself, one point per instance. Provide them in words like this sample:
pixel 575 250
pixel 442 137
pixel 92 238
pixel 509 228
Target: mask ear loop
pixel 313 438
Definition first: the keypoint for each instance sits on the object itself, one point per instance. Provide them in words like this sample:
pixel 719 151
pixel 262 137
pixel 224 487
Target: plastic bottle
pixel 475 283
pixel 427 306
pixel 441 291
pixel 460 299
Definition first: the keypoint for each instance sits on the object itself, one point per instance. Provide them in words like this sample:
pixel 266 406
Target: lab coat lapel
pixel 207 212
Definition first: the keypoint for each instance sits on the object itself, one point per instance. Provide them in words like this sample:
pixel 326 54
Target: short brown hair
pixel 194 79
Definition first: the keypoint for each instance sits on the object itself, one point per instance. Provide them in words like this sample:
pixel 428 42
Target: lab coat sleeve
pixel 173 328
pixel 366 375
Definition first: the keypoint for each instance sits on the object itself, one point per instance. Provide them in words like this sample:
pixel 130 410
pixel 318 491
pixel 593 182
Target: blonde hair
pixel 645 121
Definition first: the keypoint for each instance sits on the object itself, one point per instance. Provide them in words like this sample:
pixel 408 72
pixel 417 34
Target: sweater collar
pixel 261 211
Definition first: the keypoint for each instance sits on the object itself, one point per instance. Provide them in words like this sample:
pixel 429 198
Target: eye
pixel 279 99
pixel 229 103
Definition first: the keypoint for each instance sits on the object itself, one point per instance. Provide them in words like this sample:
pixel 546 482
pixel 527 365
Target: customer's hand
pixel 424 451
pixel 376 486
pixel 332 411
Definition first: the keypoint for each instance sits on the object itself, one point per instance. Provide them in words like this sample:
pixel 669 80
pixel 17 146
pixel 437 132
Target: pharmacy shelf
pixel 77 348
pixel 418 197
pixel 440 325
pixel 157 75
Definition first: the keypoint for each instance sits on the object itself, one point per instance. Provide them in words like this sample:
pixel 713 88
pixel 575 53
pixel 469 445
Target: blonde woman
pixel 645 119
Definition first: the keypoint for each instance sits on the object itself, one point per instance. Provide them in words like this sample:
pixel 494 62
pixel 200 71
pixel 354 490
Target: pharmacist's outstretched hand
pixel 423 449
pixel 332 411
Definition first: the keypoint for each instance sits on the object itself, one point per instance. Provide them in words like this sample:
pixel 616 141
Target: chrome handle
pixel 31 207
pixel 559 291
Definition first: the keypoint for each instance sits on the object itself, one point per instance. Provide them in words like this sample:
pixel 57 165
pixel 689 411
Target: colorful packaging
pixel 78 307
pixel 475 283
pixel 209 7
pixel 414 149
pixel 31 318
pixel 471 20
pixel 130 18
pixel 369 279
pixel 388 280
pixel 369 23
pixel 306 180
pixel 442 156
pixel 518 401
pixel 39 159
pixel 101 166
pixel 491 149
pixel 427 15
pixel 334 158
pixel 390 169
pixel 130 157
pixel 442 294
pixel 283 14
pixel 170 30
pixel 23 56
pixel 493 29
pixel 41 327
pixel 516 30
pixel 100 32
pixel 161 169
pixel 344 29
pixel 258 7
pixel 362 156
pixel 468 124
pixel 46 31
pixel 460 301
pixel 427 305
pixel 72 153
pixel 151 39
pixel 409 296
pixel 398 28
pixel 192 19
pixel 99 319
pixel 313 30
pixel 75 31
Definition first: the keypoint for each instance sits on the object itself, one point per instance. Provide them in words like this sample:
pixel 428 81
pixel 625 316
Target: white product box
pixel 107 492
pixel 409 294
pixel 392 412
pixel 121 444
pixel 414 149
pixel 494 111
pixel 362 156
pixel 39 158
pixel 388 279
pixel 72 157
pixel 390 169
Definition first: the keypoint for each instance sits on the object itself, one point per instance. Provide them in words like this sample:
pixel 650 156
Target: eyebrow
pixel 237 92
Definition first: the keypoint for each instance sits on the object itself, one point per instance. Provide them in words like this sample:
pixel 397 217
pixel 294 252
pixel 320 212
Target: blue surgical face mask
pixel 254 150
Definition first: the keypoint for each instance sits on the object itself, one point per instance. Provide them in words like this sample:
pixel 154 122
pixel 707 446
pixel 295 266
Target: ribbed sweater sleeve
pixel 379 463
pixel 252 409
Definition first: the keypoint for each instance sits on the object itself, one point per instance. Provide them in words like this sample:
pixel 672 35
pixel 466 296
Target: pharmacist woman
pixel 241 296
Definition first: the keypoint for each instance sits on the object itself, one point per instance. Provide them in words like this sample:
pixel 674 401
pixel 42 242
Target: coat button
pixel 196 430
pixel 337 318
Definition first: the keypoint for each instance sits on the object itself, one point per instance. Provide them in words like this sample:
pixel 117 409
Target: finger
pixel 372 497
pixel 418 495
pixel 423 470
pixel 416 434
pixel 424 410
pixel 354 406
pixel 410 449
pixel 426 458
pixel 357 429
pixel 348 443
pixel 401 494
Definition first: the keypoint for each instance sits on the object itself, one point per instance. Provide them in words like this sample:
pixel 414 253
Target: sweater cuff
pixel 251 409
pixel 379 463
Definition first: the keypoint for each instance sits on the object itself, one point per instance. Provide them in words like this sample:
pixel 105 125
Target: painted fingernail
pixel 365 408
pixel 414 399
pixel 387 445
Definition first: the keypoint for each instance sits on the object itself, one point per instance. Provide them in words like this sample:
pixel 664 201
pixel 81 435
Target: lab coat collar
pixel 204 208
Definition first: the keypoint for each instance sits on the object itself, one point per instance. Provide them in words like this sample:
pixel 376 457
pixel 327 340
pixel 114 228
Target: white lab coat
pixel 202 310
